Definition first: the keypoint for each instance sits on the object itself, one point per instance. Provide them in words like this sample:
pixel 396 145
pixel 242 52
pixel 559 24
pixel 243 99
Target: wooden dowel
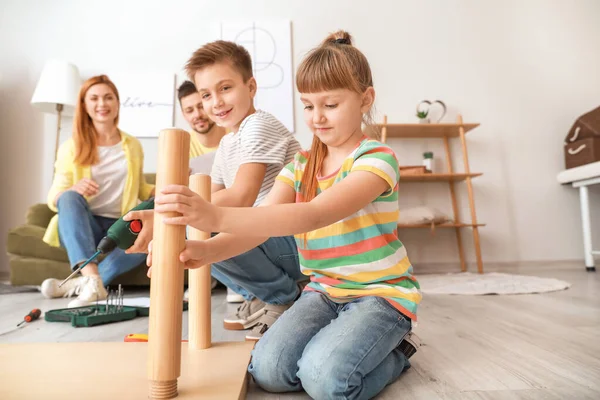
pixel 199 326
pixel 166 287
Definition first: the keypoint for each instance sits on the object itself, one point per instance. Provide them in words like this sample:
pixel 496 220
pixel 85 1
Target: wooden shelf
pixel 420 131
pixel 448 225
pixel 437 177
pixel 440 131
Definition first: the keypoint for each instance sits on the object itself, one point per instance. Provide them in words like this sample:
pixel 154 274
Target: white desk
pixel 581 178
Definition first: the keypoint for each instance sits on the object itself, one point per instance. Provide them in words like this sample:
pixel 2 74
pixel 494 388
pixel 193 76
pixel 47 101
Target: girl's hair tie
pixel 342 41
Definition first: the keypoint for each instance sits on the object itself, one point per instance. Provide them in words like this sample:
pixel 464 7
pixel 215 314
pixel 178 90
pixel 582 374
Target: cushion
pixel 421 215
pixel 26 240
pixel 33 271
pixel 150 178
pixel 39 215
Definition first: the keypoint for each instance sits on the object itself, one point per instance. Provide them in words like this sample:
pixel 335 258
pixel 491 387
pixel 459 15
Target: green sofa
pixel 31 260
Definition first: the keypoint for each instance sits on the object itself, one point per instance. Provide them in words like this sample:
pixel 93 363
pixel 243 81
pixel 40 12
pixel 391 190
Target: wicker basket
pixel 413 170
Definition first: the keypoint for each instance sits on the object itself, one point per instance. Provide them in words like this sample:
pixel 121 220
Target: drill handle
pixel 124 233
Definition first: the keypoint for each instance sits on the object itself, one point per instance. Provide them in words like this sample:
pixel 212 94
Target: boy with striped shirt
pixel 248 160
pixel 246 163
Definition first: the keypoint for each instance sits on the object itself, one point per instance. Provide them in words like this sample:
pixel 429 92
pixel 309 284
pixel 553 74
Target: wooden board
pixel 437 177
pixel 107 371
pixel 420 131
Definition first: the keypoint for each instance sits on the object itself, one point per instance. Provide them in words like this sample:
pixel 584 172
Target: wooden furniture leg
pixel 166 287
pixel 199 325
pixel 455 211
pixel 476 240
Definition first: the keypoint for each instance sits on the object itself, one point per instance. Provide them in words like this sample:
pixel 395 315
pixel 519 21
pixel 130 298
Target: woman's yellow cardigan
pixel 67 173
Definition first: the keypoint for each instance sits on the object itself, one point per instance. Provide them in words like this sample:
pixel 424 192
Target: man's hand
pixel 195 255
pixel 85 187
pixel 194 210
pixel 145 236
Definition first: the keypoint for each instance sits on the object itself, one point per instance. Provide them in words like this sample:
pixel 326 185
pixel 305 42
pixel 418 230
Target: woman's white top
pixel 110 174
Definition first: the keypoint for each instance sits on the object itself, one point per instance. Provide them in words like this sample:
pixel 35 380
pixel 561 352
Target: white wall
pixel 525 70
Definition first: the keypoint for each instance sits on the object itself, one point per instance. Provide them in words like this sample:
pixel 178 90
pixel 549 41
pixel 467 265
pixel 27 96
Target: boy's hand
pixel 194 211
pixel 149 260
pixel 193 256
pixel 145 236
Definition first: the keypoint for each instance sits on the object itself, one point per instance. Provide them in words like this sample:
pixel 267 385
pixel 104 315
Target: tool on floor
pixel 113 310
pixel 121 234
pixel 32 316
pixel 140 337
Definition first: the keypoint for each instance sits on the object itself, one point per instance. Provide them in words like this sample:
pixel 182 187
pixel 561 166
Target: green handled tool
pixel 121 234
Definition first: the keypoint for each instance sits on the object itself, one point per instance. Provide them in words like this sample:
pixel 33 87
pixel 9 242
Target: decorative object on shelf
pixel 421 215
pixel 422 114
pixel 428 161
pixel 424 111
pixel 582 144
pixel 57 91
pixel 412 170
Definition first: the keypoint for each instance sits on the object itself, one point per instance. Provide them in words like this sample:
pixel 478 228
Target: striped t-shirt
pixel 361 254
pixel 260 139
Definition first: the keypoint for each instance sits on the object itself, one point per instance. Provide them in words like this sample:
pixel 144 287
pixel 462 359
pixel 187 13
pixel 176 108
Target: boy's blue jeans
pixel 269 272
pixel 80 231
pixel 332 350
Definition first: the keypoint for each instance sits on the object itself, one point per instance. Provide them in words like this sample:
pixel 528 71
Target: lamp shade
pixel 58 84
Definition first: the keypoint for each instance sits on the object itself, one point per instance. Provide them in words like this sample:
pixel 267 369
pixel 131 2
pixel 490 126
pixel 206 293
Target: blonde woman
pixel 98 178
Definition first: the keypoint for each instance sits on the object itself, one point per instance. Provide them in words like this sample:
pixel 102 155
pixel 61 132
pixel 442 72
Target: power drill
pixel 121 234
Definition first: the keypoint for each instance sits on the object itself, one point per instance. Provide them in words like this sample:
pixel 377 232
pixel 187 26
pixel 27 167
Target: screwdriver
pixel 32 316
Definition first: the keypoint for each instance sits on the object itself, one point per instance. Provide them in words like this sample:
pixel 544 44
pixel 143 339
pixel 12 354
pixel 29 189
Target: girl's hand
pixel 194 211
pixel 194 255
pixel 85 187
pixel 145 236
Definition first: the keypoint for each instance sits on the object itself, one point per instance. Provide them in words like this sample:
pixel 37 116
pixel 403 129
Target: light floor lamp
pixel 56 92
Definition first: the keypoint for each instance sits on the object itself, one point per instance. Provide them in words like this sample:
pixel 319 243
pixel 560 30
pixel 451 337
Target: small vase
pixel 424 120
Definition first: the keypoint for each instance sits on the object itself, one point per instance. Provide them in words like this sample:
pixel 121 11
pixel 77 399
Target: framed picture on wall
pixel 147 102
pixel 270 46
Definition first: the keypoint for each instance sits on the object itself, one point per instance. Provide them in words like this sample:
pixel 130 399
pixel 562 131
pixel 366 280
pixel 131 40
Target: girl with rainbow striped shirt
pixel 345 337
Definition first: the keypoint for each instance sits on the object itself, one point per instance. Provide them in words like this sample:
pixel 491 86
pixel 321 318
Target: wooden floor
pixel 544 346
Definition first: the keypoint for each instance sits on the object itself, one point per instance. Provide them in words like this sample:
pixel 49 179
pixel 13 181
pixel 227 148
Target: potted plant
pixel 422 115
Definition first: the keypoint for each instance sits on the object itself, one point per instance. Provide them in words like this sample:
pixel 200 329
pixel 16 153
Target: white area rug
pixel 490 283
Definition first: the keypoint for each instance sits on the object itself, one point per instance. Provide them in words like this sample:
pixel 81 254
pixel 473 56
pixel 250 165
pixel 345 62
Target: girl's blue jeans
pixel 332 350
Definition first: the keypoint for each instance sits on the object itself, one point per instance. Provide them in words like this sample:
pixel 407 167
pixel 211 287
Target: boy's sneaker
pixel 50 289
pixel 233 297
pixel 410 344
pixel 270 314
pixel 246 316
pixel 91 290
